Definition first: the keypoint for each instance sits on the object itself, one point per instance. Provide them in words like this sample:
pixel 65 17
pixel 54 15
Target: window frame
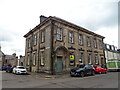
pixel 88 41
pixel 89 58
pixel 80 39
pixel 42 59
pixel 95 43
pixel 34 59
pixel 81 58
pixel 42 36
pixel 71 37
pixel 35 39
pixel 59 34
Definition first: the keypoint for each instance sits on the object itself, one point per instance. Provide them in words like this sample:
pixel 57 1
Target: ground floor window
pixel 42 59
pixel 89 58
pixel 81 60
pixel 34 58
pixel 28 60
pixel 96 59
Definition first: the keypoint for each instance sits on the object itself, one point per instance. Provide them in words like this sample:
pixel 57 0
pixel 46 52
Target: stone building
pixel 56 45
pixel 11 59
pixel 2 58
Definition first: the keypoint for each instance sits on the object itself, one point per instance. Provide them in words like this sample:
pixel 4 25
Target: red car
pixel 100 69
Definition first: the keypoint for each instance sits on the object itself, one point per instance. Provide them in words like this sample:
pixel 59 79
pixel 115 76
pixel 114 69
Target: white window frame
pixel 28 60
pixel 88 41
pixel 42 59
pixel 59 34
pixel 89 58
pixel 80 39
pixel 100 44
pixel 34 58
pixel 29 43
pixel 35 39
pixel 81 58
pixel 43 36
pixel 71 37
pixel 96 60
pixel 95 43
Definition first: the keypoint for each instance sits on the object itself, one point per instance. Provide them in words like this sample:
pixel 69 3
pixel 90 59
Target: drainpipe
pixel 52 48
pixel 30 66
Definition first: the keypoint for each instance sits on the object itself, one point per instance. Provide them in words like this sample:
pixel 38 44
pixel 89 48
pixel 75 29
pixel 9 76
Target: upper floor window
pixel 100 44
pixel 59 34
pixel 29 42
pixel 95 43
pixel 43 36
pixel 80 39
pixel 71 37
pixel 88 42
pixel 35 39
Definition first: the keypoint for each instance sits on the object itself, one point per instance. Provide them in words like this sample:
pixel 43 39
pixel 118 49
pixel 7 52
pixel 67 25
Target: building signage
pixel 72 57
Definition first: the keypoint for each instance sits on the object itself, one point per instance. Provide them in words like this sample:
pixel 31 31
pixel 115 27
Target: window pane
pixel 59 34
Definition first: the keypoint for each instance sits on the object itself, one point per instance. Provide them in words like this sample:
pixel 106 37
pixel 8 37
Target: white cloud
pixel 18 16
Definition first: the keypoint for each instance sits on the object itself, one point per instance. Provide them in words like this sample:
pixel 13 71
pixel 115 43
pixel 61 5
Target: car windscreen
pixel 21 67
pixel 81 66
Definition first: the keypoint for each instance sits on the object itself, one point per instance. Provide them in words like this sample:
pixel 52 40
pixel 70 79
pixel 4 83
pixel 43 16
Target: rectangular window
pixel 88 42
pixel 80 39
pixel 43 36
pixel 29 43
pixel 96 60
pixel 89 58
pixel 42 59
pixel 95 43
pixel 59 34
pixel 35 39
pixel 34 58
pixel 71 37
pixel 100 44
pixel 81 60
pixel 28 60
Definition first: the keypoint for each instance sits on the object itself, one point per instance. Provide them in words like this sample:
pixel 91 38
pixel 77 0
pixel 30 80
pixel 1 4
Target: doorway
pixel 59 63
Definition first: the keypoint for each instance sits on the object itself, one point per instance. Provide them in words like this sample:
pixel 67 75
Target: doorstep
pixel 49 76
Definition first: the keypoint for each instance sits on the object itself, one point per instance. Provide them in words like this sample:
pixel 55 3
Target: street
pixel 109 80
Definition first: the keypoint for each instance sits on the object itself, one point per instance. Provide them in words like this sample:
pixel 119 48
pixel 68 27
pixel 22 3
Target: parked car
pixel 82 70
pixel 100 69
pixel 4 68
pixel 10 68
pixel 19 70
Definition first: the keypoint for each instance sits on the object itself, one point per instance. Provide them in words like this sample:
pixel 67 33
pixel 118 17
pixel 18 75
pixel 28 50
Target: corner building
pixel 56 45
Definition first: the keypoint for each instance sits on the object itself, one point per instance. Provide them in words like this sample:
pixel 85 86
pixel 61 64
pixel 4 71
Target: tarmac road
pixel 109 80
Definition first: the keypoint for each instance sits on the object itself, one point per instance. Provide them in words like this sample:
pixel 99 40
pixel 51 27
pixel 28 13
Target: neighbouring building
pixel 111 52
pixel 11 59
pixel 56 45
pixel 2 58
pixel 112 56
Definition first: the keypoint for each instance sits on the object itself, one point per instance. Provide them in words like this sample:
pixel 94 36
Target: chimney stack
pixel 42 18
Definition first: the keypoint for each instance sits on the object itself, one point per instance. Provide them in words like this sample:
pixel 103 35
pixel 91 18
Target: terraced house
pixel 56 45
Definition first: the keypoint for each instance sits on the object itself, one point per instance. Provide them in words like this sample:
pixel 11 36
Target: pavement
pixel 47 76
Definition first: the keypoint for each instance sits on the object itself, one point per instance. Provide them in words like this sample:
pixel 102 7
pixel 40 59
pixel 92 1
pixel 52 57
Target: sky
pixel 17 17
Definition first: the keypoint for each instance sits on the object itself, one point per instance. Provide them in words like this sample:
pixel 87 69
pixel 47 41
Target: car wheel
pixel 82 74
